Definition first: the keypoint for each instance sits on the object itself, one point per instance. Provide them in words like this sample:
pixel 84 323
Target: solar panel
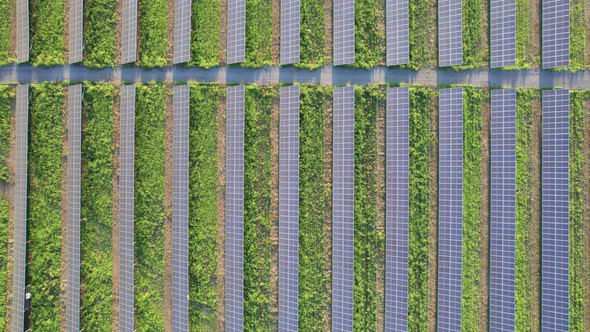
pixel 343 32
pixel 450 209
pixel 182 31
pixel 20 209
pixel 290 25
pixel 555 212
pixel 397 155
pixel 180 209
pixel 502 33
pixel 129 32
pixel 556 33
pixel 76 31
pixel 234 210
pixel 236 31
pixel 126 208
pixel 397 26
pixel 73 203
pixel 343 209
pixel 502 211
pixel 22 31
pixel 289 208
pixel 450 33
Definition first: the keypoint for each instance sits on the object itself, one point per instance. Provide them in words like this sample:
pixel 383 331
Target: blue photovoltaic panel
pixel 502 211
pixel 129 31
pixel 502 33
pixel 180 151
pixel 556 33
pixel 234 210
pixel 22 31
pixel 397 26
pixel 236 31
pixel 450 33
pixel 126 209
pixel 76 30
pixel 182 31
pixel 343 32
pixel 397 156
pixel 20 208
pixel 450 209
pixel 555 212
pixel 73 211
pixel 290 25
pixel 289 209
pixel 343 209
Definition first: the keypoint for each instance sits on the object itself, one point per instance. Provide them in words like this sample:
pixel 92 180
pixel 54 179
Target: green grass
pixel 370 33
pixel 4 145
pixel 473 48
pixel 203 207
pixel 314 198
pixel 3 258
pixel 44 213
pixel 577 35
pixel 4 131
pixel 97 208
pixel 5 53
pixel 47 32
pixel 205 33
pixel 472 205
pixel 423 27
pixel 258 33
pixel 524 36
pixel 100 33
pixel 257 218
pixel 149 207
pixel 153 30
pixel 312 36
pixel 421 101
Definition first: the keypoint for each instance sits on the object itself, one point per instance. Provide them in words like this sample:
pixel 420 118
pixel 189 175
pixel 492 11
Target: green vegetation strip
pixel 149 207
pixel 423 27
pixel 5 95
pixel 3 259
pixel 203 207
pixel 366 237
pixel 313 40
pixel 100 33
pixel 258 33
pixel 314 198
pixel 97 208
pixel 472 205
pixel 153 30
pixel 205 33
pixel 47 32
pixel 257 218
pixel 4 145
pixel 370 33
pixel 5 52
pixel 578 101
pixel 45 200
pixel 524 35
pixel 472 43
pixel 577 35
pixel 421 102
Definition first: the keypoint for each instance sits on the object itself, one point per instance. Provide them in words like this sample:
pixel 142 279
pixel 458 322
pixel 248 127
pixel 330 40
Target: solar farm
pixel 294 165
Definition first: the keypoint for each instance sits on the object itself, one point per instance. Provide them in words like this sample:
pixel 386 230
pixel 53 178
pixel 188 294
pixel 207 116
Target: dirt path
pixel 222 32
pixel 328 30
pixel 170 33
pixel 12 31
pixel 380 213
pixel 535 51
pixel 274 210
pixel 484 42
pixel 66 31
pixel 118 31
pixel 328 213
pixel 433 217
pixel 168 210
pixel 116 163
pixel 221 214
pixel 534 248
pixel 276 31
pixel 64 214
pixel 484 215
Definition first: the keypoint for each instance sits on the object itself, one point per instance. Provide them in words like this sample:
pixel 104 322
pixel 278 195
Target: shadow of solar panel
pixel 396 209
pixel 129 31
pixel 343 209
pixel 343 32
pixel 290 26
pixel 397 25
pixel 502 33
pixel 76 29
pixel 502 211
pixel 450 33
pixel 236 31
pixel 555 211
pixel 22 31
pixel 556 33
pixel 234 210
pixel 182 31
pixel 450 208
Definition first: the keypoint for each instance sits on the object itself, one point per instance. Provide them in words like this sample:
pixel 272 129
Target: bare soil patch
pixel 170 33
pixel 66 31
pixel 116 167
pixel 484 215
pixel 276 31
pixel 222 32
pixel 118 29
pixel 168 210
pixel 380 213
pixel 64 213
pixel 535 51
pixel 328 213
pixel 484 43
pixel 433 217
pixel 328 30
pixel 534 249
pixel 221 214
pixel 274 209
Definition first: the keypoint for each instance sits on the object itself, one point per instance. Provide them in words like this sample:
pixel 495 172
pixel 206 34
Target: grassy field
pixel 473 48
pixel 47 32
pixel 97 208
pixel 577 35
pixel 258 33
pixel 423 34
pixel 45 200
pixel 369 33
pixel 525 57
pixel 4 146
pixel 100 33
pixel 205 33
pixel 149 207
pixel 5 95
pixel 203 207
pixel 153 30
pixel 312 34
pixel 5 53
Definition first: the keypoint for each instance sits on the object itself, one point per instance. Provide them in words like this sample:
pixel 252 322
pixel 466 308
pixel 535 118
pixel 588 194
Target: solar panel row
pixel 556 33
pixel 502 33
pixel 289 208
pixel 22 31
pixel 126 209
pixel 450 33
pixel 343 209
pixel 397 26
pixel 397 156
pixel 234 210
pixel 182 31
pixel 76 30
pixel 290 26
pixel 20 209
pixel 180 209
pixel 503 211
pixel 450 209
pixel 129 31
pixel 555 211
pixel 73 207
pixel 236 31
pixel 343 32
